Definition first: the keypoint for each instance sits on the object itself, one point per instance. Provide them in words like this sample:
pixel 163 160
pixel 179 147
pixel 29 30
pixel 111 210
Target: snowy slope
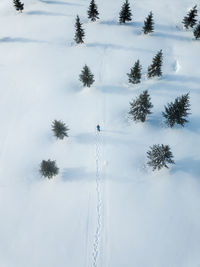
pixel 142 218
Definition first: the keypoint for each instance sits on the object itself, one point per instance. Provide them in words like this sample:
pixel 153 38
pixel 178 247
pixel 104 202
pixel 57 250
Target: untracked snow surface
pixel 105 208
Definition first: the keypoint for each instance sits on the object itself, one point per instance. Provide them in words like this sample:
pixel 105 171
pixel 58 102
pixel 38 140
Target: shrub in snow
pixel 125 13
pixel 48 168
pixel 177 112
pixel 86 77
pixel 154 70
pixel 60 129
pixel 159 156
pixel 135 73
pixel 197 31
pixel 190 19
pixel 18 5
pixel 148 24
pixel 93 11
pixel 141 107
pixel 79 32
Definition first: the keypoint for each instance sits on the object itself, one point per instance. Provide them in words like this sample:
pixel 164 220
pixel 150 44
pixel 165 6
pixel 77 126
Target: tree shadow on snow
pixel 76 174
pixel 19 40
pixel 53 2
pixel 187 165
pixel 171 36
pixel 44 13
pixel 86 138
pixel 181 78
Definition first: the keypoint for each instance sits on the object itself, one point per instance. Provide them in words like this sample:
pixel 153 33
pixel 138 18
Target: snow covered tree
pixel 48 168
pixel 197 31
pixel 190 19
pixel 125 13
pixel 159 156
pixel 93 11
pixel 135 73
pixel 18 5
pixel 60 129
pixel 86 77
pixel 79 34
pixel 177 112
pixel 155 68
pixel 140 107
pixel 148 24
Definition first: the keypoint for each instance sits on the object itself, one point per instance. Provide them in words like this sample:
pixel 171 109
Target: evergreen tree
pixel 159 156
pixel 18 5
pixel 135 73
pixel 197 31
pixel 79 34
pixel 60 129
pixel 86 77
pixel 155 68
pixel 125 13
pixel 148 24
pixel 48 168
pixel 190 19
pixel 140 107
pixel 177 112
pixel 93 11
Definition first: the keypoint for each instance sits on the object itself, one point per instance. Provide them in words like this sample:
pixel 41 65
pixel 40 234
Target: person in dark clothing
pixel 98 128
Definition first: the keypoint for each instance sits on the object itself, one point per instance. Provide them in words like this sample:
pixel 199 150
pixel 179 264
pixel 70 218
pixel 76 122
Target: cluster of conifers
pixel 176 112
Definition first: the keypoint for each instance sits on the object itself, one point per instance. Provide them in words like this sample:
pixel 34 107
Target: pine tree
pixel 125 13
pixel 86 77
pixel 159 156
pixel 93 11
pixel 135 73
pixel 141 107
pixel 177 112
pixel 79 34
pixel 60 129
pixel 155 68
pixel 18 5
pixel 148 24
pixel 48 168
pixel 197 31
pixel 190 19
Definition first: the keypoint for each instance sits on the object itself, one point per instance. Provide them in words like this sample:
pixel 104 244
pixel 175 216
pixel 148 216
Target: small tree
pixel 48 168
pixel 60 129
pixel 190 21
pixel 125 13
pixel 93 11
pixel 148 24
pixel 135 73
pixel 141 107
pixel 155 68
pixel 177 112
pixel 197 31
pixel 79 34
pixel 18 5
pixel 159 156
pixel 86 77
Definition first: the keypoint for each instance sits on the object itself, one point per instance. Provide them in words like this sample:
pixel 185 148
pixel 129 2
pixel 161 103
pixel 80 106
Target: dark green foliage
pixel 197 31
pixel 154 70
pixel 190 21
pixel 148 24
pixel 125 13
pixel 135 73
pixel 159 156
pixel 79 34
pixel 48 168
pixel 86 77
pixel 60 129
pixel 177 112
pixel 18 5
pixel 93 11
pixel 140 107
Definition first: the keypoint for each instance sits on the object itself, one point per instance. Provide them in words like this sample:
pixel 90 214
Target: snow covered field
pixel 146 219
